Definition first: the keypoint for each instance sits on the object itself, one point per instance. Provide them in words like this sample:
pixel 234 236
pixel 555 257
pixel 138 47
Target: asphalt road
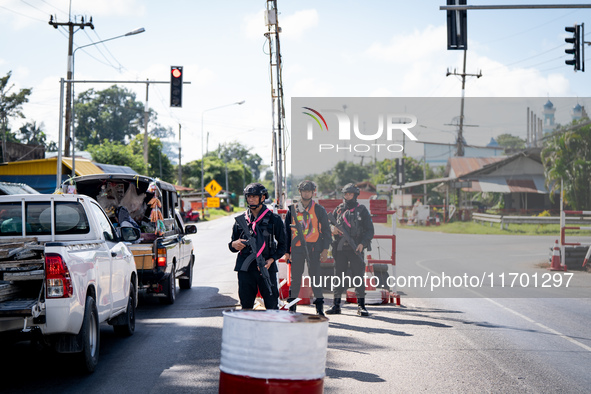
pixel 470 343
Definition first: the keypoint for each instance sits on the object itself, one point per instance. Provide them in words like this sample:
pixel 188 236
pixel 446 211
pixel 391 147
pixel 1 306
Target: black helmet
pixel 256 189
pixel 307 186
pixel 350 188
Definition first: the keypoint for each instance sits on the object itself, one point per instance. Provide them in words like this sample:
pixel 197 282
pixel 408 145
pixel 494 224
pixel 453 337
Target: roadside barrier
pixel 587 256
pixel 556 264
pixel 379 212
pixel 564 227
pixel 257 358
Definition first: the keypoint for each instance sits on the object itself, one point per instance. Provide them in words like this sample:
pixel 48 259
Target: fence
pixel 504 221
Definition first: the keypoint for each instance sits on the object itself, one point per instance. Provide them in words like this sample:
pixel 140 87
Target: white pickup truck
pixel 65 271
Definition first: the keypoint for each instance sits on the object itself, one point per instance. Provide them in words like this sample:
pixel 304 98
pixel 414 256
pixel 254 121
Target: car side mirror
pixel 190 229
pixel 130 234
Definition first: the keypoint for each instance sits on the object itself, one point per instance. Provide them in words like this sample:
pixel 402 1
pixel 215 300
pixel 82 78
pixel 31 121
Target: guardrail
pixel 506 220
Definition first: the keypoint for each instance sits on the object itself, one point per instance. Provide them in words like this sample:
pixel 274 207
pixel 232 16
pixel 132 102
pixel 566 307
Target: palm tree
pixel 567 156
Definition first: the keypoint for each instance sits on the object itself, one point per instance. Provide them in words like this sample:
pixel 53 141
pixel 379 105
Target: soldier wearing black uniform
pixel 356 219
pixel 269 232
pixel 315 228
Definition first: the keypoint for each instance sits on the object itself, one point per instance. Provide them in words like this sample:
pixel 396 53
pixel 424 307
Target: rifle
pixel 300 232
pixel 345 233
pixel 241 220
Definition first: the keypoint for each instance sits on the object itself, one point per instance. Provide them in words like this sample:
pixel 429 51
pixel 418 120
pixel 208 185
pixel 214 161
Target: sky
pixel 331 48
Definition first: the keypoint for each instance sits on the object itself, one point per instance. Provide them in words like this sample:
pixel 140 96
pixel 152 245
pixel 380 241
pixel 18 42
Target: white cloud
pixel 294 26
pixel 309 87
pixel 417 46
pixel 254 24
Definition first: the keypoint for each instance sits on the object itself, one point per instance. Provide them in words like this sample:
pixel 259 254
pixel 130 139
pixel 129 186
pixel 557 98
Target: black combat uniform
pixel 268 229
pixel 356 219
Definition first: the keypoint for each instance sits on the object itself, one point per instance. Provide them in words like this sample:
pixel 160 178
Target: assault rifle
pixel 300 232
pixel 241 220
pixel 345 233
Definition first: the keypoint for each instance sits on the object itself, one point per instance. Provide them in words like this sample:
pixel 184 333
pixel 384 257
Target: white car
pixel 65 271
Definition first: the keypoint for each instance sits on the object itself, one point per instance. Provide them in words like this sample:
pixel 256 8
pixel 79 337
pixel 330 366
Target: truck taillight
pixel 161 258
pixel 57 277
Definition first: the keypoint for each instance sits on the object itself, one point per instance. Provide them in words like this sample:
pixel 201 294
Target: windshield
pixel 70 218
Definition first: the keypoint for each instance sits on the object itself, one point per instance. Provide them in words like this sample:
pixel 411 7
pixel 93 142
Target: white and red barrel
pixel 273 352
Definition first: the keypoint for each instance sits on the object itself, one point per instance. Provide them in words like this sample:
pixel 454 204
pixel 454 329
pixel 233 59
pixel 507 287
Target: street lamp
pixel 203 158
pixel 72 131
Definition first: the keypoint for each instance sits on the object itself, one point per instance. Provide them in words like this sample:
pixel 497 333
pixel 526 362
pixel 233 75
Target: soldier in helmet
pixel 307 241
pixel 356 219
pixel 269 232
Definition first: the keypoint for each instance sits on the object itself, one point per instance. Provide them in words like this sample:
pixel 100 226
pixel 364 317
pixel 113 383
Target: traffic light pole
pixel 146 113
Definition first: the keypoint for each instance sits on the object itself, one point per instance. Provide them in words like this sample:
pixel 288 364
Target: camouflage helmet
pixel 350 188
pixel 306 185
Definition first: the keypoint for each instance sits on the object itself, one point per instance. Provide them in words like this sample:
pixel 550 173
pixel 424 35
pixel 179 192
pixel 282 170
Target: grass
pixel 216 214
pixel 513 229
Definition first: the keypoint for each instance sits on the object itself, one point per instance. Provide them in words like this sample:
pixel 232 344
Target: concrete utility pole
pixel 71 32
pixel 460 140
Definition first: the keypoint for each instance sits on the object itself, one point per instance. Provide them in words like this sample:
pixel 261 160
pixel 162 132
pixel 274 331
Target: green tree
pixel 510 142
pixel 32 134
pixel 235 150
pixel 112 114
pixel 567 156
pixel 347 172
pixel 239 175
pixel 159 165
pixel 11 106
pixel 118 154
pixel 325 182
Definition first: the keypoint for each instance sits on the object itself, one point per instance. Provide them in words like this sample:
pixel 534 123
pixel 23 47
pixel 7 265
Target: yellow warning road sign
pixel 213 188
pixel 213 202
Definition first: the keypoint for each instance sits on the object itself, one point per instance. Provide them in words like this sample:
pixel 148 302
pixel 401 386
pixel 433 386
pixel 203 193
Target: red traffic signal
pixel 176 86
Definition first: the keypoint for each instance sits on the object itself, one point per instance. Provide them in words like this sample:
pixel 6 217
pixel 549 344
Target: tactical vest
pixel 263 231
pixel 309 222
pixel 351 218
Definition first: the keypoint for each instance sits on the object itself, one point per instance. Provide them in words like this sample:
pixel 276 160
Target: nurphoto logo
pixel 388 123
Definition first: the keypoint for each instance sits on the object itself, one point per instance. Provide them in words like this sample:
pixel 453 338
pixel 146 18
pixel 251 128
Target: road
pixel 470 343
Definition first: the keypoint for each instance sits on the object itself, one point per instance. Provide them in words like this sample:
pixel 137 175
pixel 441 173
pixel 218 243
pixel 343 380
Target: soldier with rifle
pixel 258 236
pixel 308 240
pixel 352 229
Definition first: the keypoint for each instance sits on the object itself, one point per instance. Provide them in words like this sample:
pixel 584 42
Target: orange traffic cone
pixel 555 264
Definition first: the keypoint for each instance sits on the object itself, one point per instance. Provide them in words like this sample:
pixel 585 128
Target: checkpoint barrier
pixel 256 357
pixel 555 264
pixel 573 245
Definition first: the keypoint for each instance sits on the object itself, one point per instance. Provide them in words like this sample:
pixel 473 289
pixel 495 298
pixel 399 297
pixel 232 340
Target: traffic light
pixel 576 49
pixel 176 86
pixel 457 27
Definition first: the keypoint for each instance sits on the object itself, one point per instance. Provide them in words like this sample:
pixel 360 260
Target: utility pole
pixel 278 111
pixel 180 167
pixel 53 22
pixel 146 118
pixel 460 140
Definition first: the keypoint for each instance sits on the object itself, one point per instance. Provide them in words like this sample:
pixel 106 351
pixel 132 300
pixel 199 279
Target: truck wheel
pixel 170 288
pixel 127 328
pixel 186 283
pixel 90 336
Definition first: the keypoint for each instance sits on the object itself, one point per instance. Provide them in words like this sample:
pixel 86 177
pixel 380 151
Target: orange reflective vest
pixel 309 222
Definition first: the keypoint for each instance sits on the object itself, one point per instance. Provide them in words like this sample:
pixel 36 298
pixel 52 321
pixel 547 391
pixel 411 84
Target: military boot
pixel 294 306
pixel 361 311
pixel 320 306
pixel 336 308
